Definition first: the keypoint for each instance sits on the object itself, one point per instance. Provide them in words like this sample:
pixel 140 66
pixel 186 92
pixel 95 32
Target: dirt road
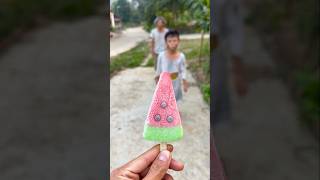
pixel 127 40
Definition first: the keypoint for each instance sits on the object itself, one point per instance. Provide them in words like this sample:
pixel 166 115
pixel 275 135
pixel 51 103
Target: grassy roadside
pixel 129 59
pixel 200 69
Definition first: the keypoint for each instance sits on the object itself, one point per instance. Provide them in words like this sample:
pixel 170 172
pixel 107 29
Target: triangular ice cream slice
pixel 163 123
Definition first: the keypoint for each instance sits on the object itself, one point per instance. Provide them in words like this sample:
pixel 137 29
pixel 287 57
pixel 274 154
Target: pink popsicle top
pixel 163 111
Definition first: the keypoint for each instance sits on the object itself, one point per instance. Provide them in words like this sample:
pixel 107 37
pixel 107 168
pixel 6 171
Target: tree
pixel 122 9
pixel 201 9
pixel 170 8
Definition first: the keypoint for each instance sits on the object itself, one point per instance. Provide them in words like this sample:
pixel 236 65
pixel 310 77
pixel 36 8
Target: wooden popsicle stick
pixel 163 146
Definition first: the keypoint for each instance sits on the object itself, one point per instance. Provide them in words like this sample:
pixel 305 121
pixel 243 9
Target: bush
pixel 183 23
pixel 308 88
pixel 205 89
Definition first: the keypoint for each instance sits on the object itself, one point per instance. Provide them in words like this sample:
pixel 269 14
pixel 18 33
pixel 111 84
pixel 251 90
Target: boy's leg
pixel 155 61
pixel 179 104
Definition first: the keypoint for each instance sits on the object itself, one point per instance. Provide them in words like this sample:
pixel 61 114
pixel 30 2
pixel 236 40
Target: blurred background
pixel 132 80
pixel 53 94
pixel 265 72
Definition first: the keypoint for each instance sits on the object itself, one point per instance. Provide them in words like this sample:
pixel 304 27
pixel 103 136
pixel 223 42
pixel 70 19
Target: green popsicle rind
pixel 162 134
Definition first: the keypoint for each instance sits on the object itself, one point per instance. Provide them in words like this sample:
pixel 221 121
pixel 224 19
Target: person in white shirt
pixel 157 42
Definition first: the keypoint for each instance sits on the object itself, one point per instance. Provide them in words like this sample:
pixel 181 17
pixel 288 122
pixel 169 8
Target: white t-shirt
pixel 159 41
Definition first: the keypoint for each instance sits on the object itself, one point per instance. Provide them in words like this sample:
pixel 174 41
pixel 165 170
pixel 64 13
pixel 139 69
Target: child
pixel 157 43
pixel 173 61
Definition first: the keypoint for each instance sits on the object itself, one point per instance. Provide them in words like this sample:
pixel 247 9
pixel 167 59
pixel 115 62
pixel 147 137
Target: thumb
pixel 159 166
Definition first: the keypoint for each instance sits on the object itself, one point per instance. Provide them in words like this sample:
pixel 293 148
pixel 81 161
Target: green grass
pixel 308 88
pixel 129 59
pixel 205 89
pixel 150 62
pixel 190 48
pixel 199 69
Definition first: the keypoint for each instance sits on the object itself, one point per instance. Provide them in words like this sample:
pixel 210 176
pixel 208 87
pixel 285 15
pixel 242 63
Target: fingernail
pixel 164 155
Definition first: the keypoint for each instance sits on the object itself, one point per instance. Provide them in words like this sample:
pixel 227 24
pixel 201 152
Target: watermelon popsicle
pixel 163 123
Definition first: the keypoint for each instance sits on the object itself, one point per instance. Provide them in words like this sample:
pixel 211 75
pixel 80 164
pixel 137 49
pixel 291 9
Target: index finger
pixel 144 160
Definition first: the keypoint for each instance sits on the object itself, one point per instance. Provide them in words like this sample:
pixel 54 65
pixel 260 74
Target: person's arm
pixel 183 72
pixel 151 43
pixel 159 69
pixel 151 46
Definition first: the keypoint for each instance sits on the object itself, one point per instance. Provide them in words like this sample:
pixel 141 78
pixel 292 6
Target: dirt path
pixel 53 96
pixel 127 40
pixel 270 143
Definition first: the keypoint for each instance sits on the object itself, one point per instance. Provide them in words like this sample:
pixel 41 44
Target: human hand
pixel 151 165
pixel 154 55
pixel 185 86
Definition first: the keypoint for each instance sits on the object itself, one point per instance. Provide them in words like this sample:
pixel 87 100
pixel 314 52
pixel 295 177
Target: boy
pixel 173 61
pixel 157 43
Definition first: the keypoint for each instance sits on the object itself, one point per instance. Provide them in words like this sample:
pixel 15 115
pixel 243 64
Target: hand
pixel 154 55
pixel 157 79
pixel 151 165
pixel 185 86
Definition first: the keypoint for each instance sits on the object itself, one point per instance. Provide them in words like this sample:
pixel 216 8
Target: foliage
pixel 129 12
pixel 122 8
pixel 129 59
pixel 308 85
pixel 201 72
pixel 205 89
pixel 307 21
pixel 176 13
pixel 150 62
pixel 200 11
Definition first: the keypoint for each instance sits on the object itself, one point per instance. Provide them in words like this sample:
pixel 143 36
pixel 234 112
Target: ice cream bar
pixel 163 123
